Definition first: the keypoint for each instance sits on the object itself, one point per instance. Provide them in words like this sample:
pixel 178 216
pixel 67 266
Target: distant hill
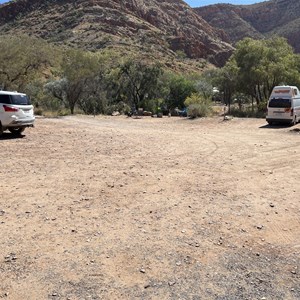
pixel 280 17
pixel 154 29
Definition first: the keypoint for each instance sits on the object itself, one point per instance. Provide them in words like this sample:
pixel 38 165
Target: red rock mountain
pixel 279 17
pixel 149 26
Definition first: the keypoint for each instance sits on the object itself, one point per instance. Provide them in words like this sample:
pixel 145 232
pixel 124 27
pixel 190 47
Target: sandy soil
pixel 121 208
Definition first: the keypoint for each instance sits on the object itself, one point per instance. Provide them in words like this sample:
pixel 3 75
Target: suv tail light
pixel 10 109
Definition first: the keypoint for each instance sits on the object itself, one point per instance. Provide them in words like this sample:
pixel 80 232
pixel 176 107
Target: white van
pixel 284 105
pixel 16 112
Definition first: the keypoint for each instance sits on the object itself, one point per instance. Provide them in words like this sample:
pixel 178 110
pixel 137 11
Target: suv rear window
pixel 280 103
pixel 5 99
pixel 14 99
pixel 20 100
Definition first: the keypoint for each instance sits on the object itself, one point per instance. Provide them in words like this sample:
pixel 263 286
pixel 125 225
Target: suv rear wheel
pixel 16 131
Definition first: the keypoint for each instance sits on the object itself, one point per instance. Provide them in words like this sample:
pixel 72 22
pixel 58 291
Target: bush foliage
pixel 198 106
pixel 63 79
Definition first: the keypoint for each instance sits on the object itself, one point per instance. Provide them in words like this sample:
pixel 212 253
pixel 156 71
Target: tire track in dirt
pixel 116 208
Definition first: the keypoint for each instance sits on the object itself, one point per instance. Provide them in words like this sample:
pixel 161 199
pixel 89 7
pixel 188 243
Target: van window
pixel 295 91
pixel 5 99
pixel 297 102
pixel 20 100
pixel 280 103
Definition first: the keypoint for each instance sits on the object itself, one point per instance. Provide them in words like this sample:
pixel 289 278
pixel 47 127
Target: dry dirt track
pixel 121 208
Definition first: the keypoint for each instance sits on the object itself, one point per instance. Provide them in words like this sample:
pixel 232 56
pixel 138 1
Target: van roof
pixel 285 87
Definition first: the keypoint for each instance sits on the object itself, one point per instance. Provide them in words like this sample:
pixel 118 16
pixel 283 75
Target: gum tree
pixel 77 68
pixel 263 64
pixel 22 59
pixel 139 82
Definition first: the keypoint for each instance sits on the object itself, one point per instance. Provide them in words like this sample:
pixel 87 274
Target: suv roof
pixel 10 93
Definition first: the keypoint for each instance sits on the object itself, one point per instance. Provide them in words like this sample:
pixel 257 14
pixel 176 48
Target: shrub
pixel 153 105
pixel 247 113
pixel 38 111
pixel 198 111
pixel 121 107
pixel 198 106
pixel 262 106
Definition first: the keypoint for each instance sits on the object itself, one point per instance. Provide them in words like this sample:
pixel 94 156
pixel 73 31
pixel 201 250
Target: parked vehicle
pixel 284 105
pixel 16 112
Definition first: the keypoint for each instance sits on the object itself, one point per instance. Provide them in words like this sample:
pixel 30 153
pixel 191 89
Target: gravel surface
pixel 171 208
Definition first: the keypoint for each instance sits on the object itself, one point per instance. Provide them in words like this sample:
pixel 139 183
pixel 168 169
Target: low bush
pixel 121 107
pixel 198 106
pixel 198 110
pixel 247 113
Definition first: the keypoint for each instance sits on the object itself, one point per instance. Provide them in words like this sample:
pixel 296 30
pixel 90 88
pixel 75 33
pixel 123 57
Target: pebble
pixel 11 257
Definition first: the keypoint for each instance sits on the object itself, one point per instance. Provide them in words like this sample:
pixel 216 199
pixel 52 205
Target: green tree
pixel 226 79
pixel 263 64
pixel 179 89
pixel 22 59
pixel 138 83
pixel 99 91
pixel 204 83
pixel 204 87
pixel 78 67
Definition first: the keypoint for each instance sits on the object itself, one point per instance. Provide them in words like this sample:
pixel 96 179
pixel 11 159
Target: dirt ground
pixel 171 208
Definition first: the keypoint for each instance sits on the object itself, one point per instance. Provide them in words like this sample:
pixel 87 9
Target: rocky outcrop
pixel 141 25
pixel 279 17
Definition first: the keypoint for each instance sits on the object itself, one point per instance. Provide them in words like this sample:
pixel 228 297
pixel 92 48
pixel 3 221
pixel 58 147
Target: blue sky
pixel 196 3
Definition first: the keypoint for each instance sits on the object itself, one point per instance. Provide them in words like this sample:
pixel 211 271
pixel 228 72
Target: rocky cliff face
pixel 136 25
pixel 280 17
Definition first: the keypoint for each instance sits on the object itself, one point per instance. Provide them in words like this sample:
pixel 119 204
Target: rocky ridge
pixel 275 17
pixel 157 27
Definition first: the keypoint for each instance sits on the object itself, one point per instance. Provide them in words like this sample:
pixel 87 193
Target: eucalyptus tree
pixel 23 59
pixel 179 88
pixel 226 79
pixel 78 67
pixel 139 82
pixel 263 64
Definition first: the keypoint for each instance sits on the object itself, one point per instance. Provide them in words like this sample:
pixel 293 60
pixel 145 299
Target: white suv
pixel 16 112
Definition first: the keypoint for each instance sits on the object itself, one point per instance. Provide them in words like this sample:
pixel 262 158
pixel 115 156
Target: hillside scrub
pixel 22 60
pixel 59 79
pixel 256 67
